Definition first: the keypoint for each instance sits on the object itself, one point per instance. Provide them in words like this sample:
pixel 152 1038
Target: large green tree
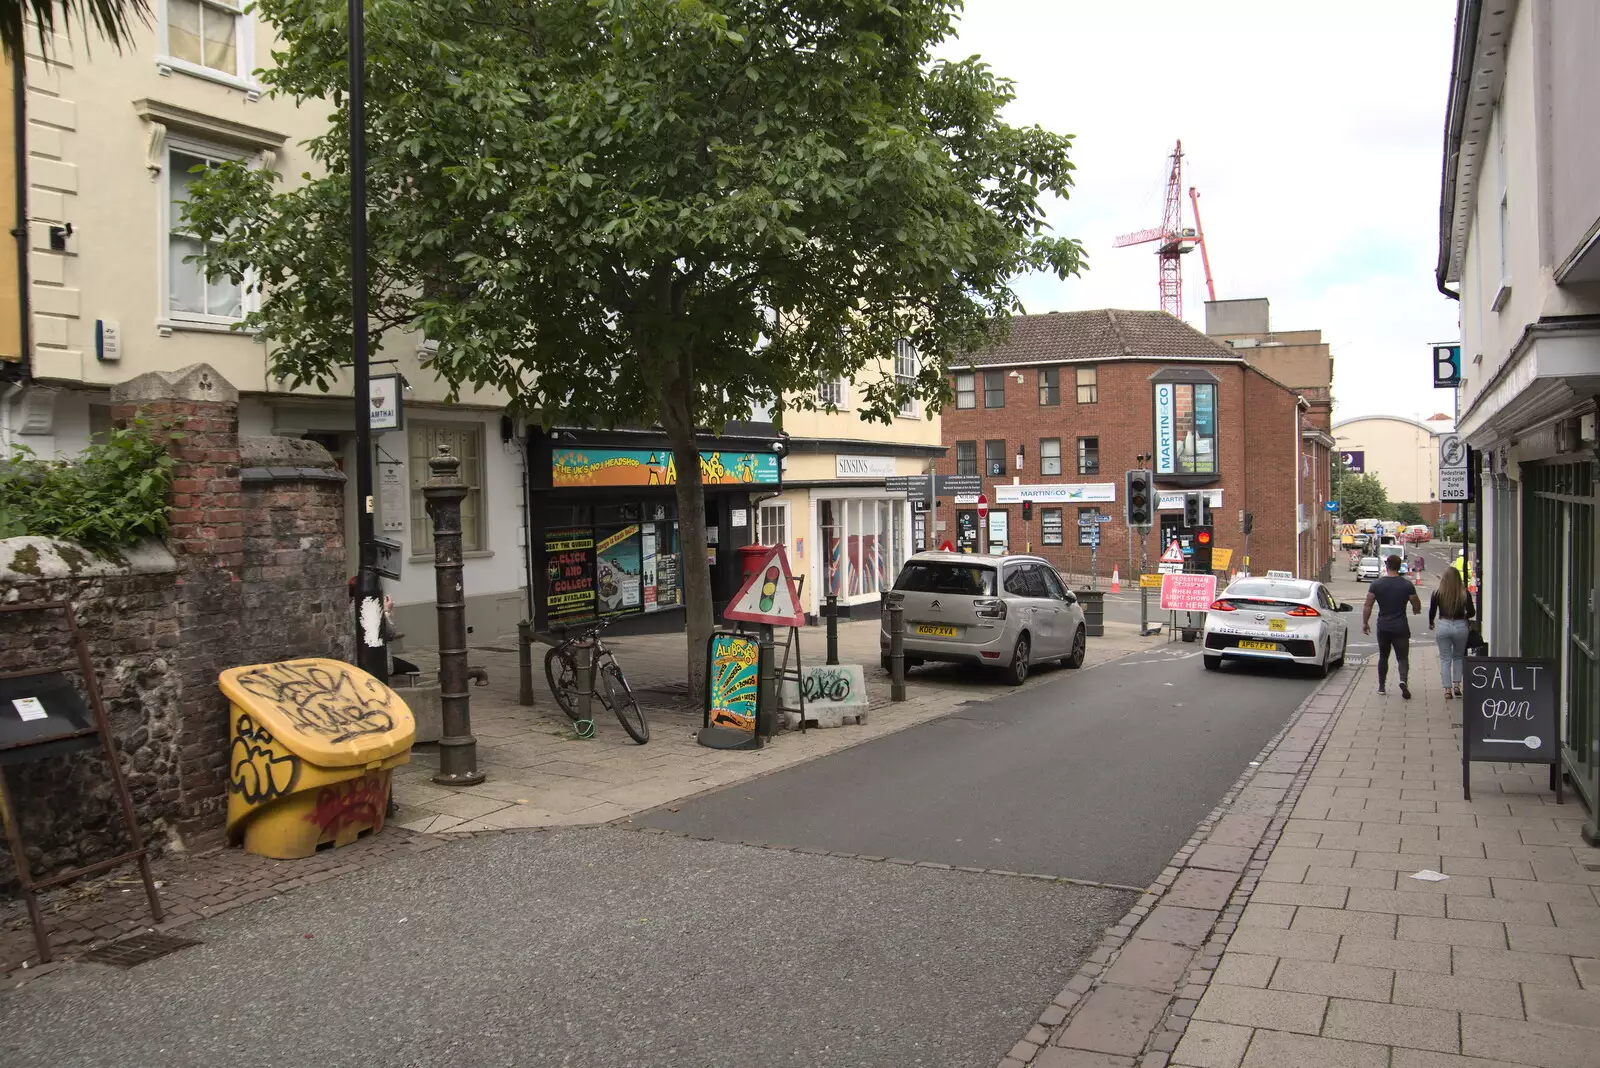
pixel 650 211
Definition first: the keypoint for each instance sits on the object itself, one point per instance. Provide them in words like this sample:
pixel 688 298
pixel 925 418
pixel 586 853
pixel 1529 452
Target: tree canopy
pixel 113 20
pixel 649 211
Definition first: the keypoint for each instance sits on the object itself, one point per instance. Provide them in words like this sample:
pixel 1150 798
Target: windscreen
pixel 926 576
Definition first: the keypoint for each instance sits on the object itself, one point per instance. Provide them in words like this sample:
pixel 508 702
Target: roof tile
pixel 1098 335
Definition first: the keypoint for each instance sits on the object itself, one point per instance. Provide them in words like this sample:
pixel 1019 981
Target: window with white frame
pixel 190 297
pixel 466 444
pixel 966 391
pixel 905 374
pixel 1505 205
pixel 772 524
pixel 832 393
pixel 1050 456
pixel 210 38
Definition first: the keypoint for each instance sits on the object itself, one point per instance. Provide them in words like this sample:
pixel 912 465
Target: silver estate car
pixel 1009 612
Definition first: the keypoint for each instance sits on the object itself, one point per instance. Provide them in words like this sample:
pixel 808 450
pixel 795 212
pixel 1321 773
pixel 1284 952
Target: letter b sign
pixel 1446 366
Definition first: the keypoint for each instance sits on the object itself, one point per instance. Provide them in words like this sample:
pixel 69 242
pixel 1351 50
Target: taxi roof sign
pixel 768 595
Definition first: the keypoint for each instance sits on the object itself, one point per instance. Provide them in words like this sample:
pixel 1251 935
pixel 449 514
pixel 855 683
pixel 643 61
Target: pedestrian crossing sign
pixel 768 595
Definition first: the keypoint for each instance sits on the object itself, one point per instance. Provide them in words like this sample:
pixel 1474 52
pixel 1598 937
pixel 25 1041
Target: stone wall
pixel 253 571
pixel 127 608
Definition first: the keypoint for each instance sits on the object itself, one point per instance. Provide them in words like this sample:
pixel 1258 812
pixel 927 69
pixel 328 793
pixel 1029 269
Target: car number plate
pixel 937 632
pixel 1277 624
pixel 1265 647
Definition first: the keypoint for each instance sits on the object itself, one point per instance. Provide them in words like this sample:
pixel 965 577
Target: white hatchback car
pixel 1369 569
pixel 1285 619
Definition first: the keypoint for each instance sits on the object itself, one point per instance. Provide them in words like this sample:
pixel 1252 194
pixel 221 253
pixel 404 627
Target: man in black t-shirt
pixel 1391 594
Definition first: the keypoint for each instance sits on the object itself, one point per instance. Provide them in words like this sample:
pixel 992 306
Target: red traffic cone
pixel 1116 579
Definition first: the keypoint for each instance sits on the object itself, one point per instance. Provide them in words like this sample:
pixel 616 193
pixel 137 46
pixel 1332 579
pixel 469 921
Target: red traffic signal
pixel 1204 537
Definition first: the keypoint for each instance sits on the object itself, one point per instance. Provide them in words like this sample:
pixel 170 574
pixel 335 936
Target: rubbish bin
pixel 312 745
pixel 1094 611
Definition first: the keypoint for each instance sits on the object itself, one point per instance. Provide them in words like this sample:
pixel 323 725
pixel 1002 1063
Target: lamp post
pixel 372 652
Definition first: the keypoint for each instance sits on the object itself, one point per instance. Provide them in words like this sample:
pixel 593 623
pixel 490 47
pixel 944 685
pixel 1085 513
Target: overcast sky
pixel 1312 132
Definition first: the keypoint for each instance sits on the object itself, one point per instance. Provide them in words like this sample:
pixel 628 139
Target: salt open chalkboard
pixel 1509 714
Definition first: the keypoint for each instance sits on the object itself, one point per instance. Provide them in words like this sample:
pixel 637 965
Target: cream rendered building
pixel 844 531
pixel 110 141
pixel 1402 453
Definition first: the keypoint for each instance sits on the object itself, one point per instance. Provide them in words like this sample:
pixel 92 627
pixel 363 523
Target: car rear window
pixel 921 576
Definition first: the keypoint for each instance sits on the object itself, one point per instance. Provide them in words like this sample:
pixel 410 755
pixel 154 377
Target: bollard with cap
pixel 458 749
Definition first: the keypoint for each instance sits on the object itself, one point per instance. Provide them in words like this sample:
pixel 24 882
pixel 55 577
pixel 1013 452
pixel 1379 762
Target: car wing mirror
pixel 1345 606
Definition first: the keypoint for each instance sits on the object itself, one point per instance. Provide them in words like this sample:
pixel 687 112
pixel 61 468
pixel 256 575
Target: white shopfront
pixel 862 539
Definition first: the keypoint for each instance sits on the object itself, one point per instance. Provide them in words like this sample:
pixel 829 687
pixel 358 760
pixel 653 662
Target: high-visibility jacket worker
pixel 1462 567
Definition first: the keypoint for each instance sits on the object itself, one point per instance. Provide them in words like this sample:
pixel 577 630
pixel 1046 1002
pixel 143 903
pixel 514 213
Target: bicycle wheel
pixel 618 696
pixel 561 671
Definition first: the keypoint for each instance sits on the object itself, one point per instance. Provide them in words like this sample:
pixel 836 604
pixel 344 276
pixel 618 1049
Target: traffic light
pixel 1027 511
pixel 1201 560
pixel 1140 511
pixel 1191 510
pixel 1246 523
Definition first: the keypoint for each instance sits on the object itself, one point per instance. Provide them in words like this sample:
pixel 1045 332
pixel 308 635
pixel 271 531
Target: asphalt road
pixel 1097 775
pixel 605 948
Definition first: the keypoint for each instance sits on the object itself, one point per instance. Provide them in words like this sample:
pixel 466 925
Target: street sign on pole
pixel 1453 482
pixel 983 507
pixel 1446 366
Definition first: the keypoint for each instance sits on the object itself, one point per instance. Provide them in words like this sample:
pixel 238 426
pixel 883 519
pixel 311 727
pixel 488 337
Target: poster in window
pixel 569 573
pixel 666 573
pixel 1050 525
pixel 617 571
pixel 647 566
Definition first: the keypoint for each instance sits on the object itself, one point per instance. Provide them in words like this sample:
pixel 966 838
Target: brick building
pixel 1059 410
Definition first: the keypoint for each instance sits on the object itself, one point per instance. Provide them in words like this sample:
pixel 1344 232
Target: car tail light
pixel 1223 606
pixel 989 608
pixel 1302 610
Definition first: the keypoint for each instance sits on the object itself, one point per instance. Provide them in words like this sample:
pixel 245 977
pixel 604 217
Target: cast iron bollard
pixel 583 668
pixel 458 749
pixel 897 653
pixel 767 696
pixel 525 664
pixel 831 610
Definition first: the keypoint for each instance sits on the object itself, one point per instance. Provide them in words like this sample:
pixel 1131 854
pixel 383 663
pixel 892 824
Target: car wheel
pixel 1322 668
pixel 1080 645
pixel 1212 663
pixel 1344 651
pixel 1017 673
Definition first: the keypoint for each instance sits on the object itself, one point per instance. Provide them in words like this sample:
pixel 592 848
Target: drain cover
pixel 129 952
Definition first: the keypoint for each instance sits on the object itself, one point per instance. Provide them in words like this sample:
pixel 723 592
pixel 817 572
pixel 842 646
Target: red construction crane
pixel 1172 238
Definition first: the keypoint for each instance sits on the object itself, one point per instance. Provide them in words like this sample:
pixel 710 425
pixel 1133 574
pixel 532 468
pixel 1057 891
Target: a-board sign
pixel 1188 593
pixel 1509 713
pixel 733 692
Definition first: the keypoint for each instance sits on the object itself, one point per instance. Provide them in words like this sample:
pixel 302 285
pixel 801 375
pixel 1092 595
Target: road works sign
pixel 768 595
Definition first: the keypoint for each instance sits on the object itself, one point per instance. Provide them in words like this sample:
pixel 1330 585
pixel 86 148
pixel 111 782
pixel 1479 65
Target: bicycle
pixel 611 687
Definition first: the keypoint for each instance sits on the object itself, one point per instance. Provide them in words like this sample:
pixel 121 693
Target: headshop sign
pixel 655 467
pixel 1166 428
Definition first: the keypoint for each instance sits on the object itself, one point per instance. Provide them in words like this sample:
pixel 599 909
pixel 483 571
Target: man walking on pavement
pixel 1391 594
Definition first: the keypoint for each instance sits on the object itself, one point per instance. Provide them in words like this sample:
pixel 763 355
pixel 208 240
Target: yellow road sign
pixel 1221 558
pixel 1150 581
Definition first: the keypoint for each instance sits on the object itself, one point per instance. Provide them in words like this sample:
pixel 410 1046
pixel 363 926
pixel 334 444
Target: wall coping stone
pixel 33 559
pixel 198 383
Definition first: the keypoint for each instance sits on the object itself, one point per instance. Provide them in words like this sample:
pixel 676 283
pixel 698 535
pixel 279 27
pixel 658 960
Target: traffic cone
pixel 1116 579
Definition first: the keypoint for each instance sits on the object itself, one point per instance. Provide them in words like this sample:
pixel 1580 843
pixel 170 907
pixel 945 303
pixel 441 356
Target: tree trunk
pixel 677 417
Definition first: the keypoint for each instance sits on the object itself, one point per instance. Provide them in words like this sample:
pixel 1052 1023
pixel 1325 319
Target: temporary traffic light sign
pixel 768 595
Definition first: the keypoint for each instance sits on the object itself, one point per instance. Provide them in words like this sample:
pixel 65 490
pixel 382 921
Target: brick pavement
pixel 1290 930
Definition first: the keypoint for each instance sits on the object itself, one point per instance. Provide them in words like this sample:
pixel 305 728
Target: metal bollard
pixel 584 655
pixel 831 610
pixel 767 696
pixel 897 653
pixel 525 663
pixel 458 749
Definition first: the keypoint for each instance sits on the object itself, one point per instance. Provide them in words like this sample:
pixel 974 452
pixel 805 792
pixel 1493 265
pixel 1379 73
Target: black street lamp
pixel 372 652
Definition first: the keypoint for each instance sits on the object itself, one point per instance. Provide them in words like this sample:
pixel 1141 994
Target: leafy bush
pixel 113 494
pixel 1449 532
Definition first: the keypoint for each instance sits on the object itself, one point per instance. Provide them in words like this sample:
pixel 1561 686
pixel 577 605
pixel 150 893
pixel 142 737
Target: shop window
pixel 1050 386
pixel 1186 428
pixel 966 457
pixel 1088 456
pixel 994 389
pixel 1050 456
pixel 966 391
pixel 612 566
pixel 466 444
pixel 863 545
pixel 994 458
pixel 1088 385
pixel 906 366
pixel 1050 525
pixel 772 524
